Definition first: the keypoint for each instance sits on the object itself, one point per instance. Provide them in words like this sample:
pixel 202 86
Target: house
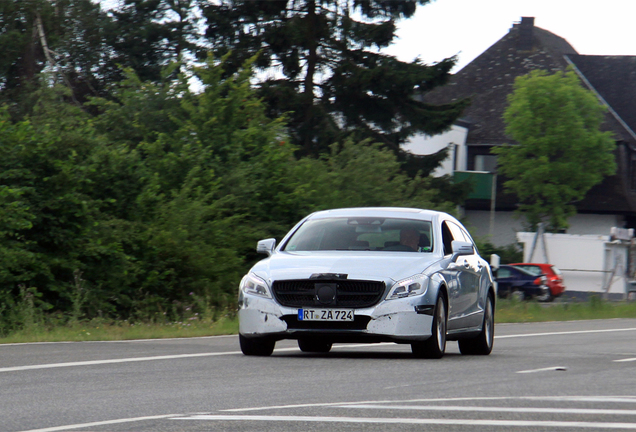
pixel 488 80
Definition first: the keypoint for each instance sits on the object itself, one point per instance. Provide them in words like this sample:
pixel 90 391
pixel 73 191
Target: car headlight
pixel 252 284
pixel 415 285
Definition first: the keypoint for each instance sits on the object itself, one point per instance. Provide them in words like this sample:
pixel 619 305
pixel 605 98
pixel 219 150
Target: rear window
pixel 362 233
pixel 556 270
pixel 533 270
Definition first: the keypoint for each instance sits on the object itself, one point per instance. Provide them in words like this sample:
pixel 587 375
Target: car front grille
pixel 346 293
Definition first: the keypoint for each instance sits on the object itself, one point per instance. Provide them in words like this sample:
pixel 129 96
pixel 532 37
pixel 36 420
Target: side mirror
pixel 462 248
pixel 266 246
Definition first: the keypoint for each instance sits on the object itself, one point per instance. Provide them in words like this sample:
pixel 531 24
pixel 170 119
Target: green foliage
pixel 364 174
pixel 334 81
pixel 151 210
pixel 561 151
pixel 74 31
pixel 511 253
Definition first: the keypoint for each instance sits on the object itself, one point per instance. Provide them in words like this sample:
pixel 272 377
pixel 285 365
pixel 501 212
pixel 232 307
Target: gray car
pixel 398 275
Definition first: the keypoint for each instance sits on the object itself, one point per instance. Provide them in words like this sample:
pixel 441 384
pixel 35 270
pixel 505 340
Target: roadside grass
pixel 511 311
pixel 102 330
pixel 507 311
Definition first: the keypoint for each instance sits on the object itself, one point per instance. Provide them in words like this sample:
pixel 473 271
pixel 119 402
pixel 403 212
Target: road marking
pixel 601 399
pixel 111 361
pixel 456 422
pixel 225 353
pixel 102 423
pixel 492 409
pixel 545 369
pixel 626 360
pixel 564 333
pixel 141 359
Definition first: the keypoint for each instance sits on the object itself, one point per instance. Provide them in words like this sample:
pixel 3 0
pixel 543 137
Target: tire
pixel 517 295
pixel 435 346
pixel 482 344
pixel 256 346
pixel 313 346
pixel 547 297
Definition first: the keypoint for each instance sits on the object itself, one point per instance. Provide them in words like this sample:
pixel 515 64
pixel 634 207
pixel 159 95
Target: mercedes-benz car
pixel 402 275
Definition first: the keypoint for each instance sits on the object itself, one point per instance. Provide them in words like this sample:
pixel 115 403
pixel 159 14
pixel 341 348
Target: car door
pixel 475 269
pixel 463 274
pixel 505 281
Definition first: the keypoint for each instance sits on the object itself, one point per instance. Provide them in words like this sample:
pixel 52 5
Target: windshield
pixel 362 233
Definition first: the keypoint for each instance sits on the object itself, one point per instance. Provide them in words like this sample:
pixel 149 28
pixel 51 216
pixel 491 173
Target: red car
pixel 554 275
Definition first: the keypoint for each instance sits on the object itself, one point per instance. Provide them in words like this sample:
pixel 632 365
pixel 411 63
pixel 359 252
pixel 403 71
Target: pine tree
pixel 325 68
pixel 148 34
pixel 62 39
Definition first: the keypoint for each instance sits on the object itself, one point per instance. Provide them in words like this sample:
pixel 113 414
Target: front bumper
pixel 401 320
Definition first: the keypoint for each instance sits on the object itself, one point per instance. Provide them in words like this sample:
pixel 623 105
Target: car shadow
pixel 380 355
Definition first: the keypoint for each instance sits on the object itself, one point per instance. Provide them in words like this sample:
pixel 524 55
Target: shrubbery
pixel 154 206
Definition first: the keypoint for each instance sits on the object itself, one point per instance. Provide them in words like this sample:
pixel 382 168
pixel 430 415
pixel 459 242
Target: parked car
pixel 515 282
pixel 554 275
pixel 398 275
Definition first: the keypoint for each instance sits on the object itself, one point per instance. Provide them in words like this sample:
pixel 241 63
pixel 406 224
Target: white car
pixel 400 275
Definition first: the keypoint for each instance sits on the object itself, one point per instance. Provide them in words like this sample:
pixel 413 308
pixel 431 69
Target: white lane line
pixel 545 369
pixel 111 361
pixel 491 409
pixel 600 399
pixel 457 422
pixel 141 359
pixel 626 360
pixel 181 356
pixel 102 423
pixel 564 333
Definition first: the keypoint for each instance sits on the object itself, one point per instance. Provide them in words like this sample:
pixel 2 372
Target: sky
pixel 467 28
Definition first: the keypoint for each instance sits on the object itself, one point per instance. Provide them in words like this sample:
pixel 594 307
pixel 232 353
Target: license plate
pixel 325 314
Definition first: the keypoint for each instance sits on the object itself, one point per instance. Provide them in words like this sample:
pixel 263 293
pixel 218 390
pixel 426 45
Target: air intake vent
pixel 328 293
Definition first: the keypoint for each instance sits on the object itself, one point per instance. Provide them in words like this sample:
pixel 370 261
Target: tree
pixel 147 35
pixel 561 151
pixel 328 72
pixel 64 39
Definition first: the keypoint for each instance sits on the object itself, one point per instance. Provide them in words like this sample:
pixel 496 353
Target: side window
pixel 447 239
pixel 503 273
pixel 450 232
pixel 457 232
pixel 470 239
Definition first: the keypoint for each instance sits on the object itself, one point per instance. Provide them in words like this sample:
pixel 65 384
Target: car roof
pixel 394 212
pixel 542 265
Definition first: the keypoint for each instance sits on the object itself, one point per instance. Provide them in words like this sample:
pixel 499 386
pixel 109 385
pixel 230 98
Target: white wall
pixel 425 145
pixel 585 260
pixel 507 225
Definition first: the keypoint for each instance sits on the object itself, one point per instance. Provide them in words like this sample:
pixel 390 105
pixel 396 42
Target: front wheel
pixel 482 344
pixel 435 346
pixel 256 346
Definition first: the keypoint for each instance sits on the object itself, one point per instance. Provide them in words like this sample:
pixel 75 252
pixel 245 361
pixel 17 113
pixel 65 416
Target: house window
pixel 485 163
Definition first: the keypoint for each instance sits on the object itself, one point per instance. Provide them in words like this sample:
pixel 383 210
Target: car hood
pixel 362 265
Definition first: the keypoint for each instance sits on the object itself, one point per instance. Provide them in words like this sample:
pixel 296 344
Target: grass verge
pixel 508 311
pixel 100 330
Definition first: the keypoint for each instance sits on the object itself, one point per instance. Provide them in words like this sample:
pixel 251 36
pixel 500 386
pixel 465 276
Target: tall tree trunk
pixel 312 60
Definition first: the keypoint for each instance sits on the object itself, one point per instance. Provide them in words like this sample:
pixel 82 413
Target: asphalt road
pixel 570 376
